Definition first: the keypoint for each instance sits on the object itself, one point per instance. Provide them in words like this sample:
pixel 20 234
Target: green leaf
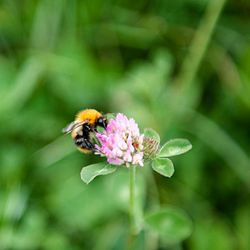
pixel 174 147
pixel 164 167
pixel 90 172
pixel 172 224
pixel 110 116
pixel 149 132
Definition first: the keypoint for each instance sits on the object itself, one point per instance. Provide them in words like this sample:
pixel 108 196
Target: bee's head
pixel 102 122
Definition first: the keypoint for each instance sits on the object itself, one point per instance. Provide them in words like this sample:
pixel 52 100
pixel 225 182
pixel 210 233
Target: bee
pixel 85 124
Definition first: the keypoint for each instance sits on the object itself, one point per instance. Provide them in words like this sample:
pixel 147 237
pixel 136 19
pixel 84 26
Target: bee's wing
pixel 69 127
pixel 72 126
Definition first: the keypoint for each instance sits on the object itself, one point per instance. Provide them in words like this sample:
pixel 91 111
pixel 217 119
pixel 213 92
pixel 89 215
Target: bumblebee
pixel 84 125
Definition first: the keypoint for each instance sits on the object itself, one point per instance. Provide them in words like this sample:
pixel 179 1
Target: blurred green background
pixel 169 65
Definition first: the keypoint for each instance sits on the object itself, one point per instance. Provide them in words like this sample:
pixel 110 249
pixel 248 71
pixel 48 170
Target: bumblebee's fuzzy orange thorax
pixel 89 115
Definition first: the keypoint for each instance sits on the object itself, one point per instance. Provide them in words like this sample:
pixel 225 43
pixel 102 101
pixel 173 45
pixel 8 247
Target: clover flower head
pixel 121 142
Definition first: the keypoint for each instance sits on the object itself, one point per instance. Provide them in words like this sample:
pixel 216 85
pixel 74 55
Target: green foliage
pixel 174 147
pixel 164 167
pixel 160 163
pixel 149 132
pixel 90 172
pixel 171 224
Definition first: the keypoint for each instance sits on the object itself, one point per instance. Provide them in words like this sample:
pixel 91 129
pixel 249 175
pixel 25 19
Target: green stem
pixel 132 172
pixel 200 42
pixel 193 59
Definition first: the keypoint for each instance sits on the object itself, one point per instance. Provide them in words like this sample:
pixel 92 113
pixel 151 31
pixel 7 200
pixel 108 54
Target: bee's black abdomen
pixel 84 143
pixel 82 139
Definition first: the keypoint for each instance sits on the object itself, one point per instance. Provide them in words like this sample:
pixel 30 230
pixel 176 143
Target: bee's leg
pixel 86 129
pixel 84 143
pixel 88 144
